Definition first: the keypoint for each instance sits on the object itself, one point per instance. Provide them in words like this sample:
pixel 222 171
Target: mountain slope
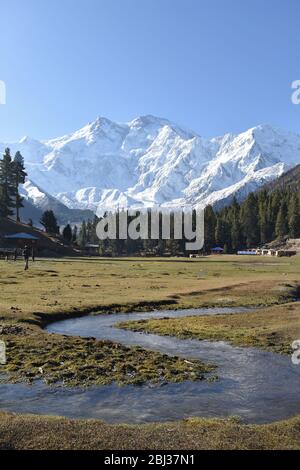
pixel 152 161
pixel 36 201
pixel 289 180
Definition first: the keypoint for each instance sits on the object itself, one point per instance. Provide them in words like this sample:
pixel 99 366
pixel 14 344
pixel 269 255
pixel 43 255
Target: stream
pixel 257 386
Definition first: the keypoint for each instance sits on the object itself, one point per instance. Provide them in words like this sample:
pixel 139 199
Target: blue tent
pixel 21 236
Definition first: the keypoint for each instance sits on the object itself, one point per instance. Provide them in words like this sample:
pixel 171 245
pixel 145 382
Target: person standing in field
pixel 33 254
pixel 26 254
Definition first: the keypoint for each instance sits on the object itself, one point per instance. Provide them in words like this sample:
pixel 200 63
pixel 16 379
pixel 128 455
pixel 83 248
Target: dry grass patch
pixel 34 432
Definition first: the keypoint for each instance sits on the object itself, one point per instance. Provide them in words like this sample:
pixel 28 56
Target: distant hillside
pixel 36 201
pixel 270 214
pixel 47 245
pixel 289 180
pixel 63 214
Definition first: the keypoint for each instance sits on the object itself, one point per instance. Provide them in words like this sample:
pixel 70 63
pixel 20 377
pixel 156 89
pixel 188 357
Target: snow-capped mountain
pixel 152 161
pixel 36 201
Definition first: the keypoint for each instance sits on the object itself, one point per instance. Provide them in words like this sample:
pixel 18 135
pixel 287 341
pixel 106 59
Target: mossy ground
pixel 68 361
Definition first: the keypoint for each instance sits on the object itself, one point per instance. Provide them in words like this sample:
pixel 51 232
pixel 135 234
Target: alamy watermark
pixel 2 353
pixel 2 92
pixel 296 93
pixel 154 224
pixel 296 354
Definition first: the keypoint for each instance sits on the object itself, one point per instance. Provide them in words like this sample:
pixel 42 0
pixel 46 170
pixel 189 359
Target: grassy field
pixel 70 285
pixel 54 289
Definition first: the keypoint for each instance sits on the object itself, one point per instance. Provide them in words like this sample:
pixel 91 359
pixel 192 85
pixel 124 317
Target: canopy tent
pixel 218 249
pixel 21 236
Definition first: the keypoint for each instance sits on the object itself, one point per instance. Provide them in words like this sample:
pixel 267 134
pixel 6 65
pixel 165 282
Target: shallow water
pixel 258 386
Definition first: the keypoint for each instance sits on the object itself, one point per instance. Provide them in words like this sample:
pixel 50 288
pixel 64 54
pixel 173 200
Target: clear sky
pixel 214 66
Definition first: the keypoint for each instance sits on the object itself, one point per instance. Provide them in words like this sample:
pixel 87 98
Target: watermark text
pixel 2 353
pixel 296 93
pixel 2 92
pixel 153 224
pixel 296 354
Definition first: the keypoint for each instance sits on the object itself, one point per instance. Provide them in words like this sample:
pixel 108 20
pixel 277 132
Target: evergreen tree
pixel 19 178
pixel 7 185
pixel 250 221
pixel 222 232
pixel 3 207
pixel 294 216
pixel 89 231
pixel 274 207
pixel 263 216
pixel 209 228
pixel 67 233
pixel 74 234
pixel 82 239
pixel 236 233
pixel 49 222
pixel 281 228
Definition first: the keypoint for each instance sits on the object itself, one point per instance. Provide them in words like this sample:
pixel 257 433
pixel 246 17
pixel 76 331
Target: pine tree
pixel 3 207
pixel 74 234
pixel 294 216
pixel 7 186
pixel 67 233
pixel 250 221
pixel 19 178
pixel 274 207
pixel 222 232
pixel 209 228
pixel 236 233
pixel 82 239
pixel 89 231
pixel 49 222
pixel 263 216
pixel 281 228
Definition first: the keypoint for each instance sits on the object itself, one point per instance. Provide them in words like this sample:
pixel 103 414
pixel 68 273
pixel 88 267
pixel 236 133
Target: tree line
pixel 261 218
pixel 129 247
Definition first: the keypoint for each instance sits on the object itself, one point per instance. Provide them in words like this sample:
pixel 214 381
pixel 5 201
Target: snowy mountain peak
pixel 148 120
pixel 27 140
pixel 152 160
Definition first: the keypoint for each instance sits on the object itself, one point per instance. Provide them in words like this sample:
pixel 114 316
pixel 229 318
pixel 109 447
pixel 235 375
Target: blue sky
pixel 214 66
